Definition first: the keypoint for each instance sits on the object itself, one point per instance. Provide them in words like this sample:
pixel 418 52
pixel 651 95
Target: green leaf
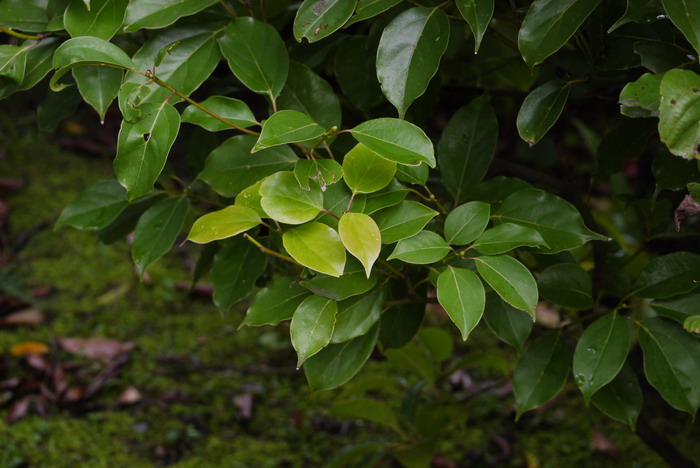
pixel 438 342
pixel 678 308
pixel 506 237
pixel 237 265
pixel 157 230
pixel 467 146
pixel 324 171
pixel 600 353
pixel 353 282
pixel 641 98
pixel 86 51
pixel 660 56
pixel 125 223
pixel 685 15
pixel 95 207
pixel 98 86
pixel 285 201
pixel 541 109
pixel 317 19
pixel 409 54
pixel 233 110
pixel 39 61
pixel 557 221
pixel 360 235
pixel 56 107
pixel 316 246
pixel 396 140
pixel 679 112
pixel 102 19
pixel 478 15
pixel 549 24
pixel 337 363
pixel 13 61
pixel 541 372
pixel 287 126
pixel 417 175
pixel 461 294
pixel 672 362
pixel 29 16
pixel 692 324
pixel 511 280
pixel 365 171
pixel 638 11
pixel 256 54
pixel 669 275
pixel 403 220
pixel 365 408
pixel 568 285
pixel 621 399
pixel 509 324
pixel 223 224
pixel 369 8
pixel 391 195
pixel 400 325
pixel 312 326
pixel 310 94
pixel 143 148
pixel 357 315
pixel 230 168
pixel 423 248
pixel 275 303
pixel 672 172
pixel 153 14
pixel 356 73
pixel 466 222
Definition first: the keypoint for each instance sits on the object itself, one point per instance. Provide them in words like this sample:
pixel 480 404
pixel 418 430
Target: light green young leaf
pixel 317 19
pixel 466 222
pixel 365 171
pixel 312 326
pixel 316 246
pixel 275 303
pixel 461 294
pixel 360 235
pixel 679 112
pixel 403 220
pixel 143 147
pixel 541 109
pixel 506 237
pixel 98 86
pixel 568 285
pixel 153 14
pixel 287 126
pixel 103 18
pixel 223 224
pixel 478 15
pixel 233 110
pixel 423 248
pixel 285 201
pixel 157 230
pixel 396 140
pixel 409 54
pixel 237 265
pixel 95 207
pixel 511 280
pixel 685 14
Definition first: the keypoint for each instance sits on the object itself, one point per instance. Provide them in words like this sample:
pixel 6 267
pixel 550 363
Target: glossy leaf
pixel 638 11
pixel 621 399
pixel 143 148
pixel 600 353
pixel 391 195
pixel 467 146
pixel 285 201
pixel 103 19
pixel 641 98
pixel 678 308
pixel 549 24
pixel 324 171
pixel 409 54
pixel 223 224
pixel 679 112
pixel 353 282
pixel 396 140
pixel 275 303
pixel 461 293
pixel 568 285
pixel 95 207
pixel 98 86
pixel 317 19
pixel 478 15
pixel 153 14
pixel 557 221
pixel 423 248
pixel 13 61
pixel 312 326
pixel 337 363
pixel 316 246
pixel 308 93
pixel 403 220
pixel 669 275
pixel 541 372
pixel 357 315
pixel 230 168
pixel 511 280
pixel 368 8
pixel 356 73
pixel 466 222
pixel 237 265
pixel 541 109
pixel 256 54
pixel 685 15
pixel 360 235
pixel 157 230
pixel 506 237
pixel 232 110
pixel 287 126
pixel 509 324
pixel 86 51
pixel 672 362
pixel 417 175
pixel 365 171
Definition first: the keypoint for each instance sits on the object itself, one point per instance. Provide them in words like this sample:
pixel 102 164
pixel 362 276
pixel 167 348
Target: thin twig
pixel 270 251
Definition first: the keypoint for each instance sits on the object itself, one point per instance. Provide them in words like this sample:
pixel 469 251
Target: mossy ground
pixel 191 363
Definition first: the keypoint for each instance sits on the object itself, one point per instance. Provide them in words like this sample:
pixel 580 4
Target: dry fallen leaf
pixel 23 317
pixel 129 396
pixel 96 348
pixel 29 347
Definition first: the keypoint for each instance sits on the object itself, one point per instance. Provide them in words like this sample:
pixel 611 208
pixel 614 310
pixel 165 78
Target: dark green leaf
pixel 672 172
pixel 357 315
pixel 95 207
pixel 638 11
pixel 365 408
pixel 56 107
pixel 317 19
pixel 103 19
pixel 310 94
pixel 13 61
pixel 287 126
pixel 355 71
pixel 312 326
pixel 423 248
pixel 461 294
pixel 678 308
pixel 400 325
pixel 351 283
pixel 509 324
pixel 396 140
pixel 153 14
pixel 30 16
pixel 478 15
pixel 275 303
pixel 237 265
pixel 685 14
pixel 368 8
pixel 568 285
pixel 511 280
pixel 506 237
pixel 466 222
pixel 417 175
pixel 641 98
pixel 233 110
pixel 125 223
pixel 98 86
pixel 621 399
pixel 403 220
pixel 669 275
pixel 391 195
pixel 541 109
